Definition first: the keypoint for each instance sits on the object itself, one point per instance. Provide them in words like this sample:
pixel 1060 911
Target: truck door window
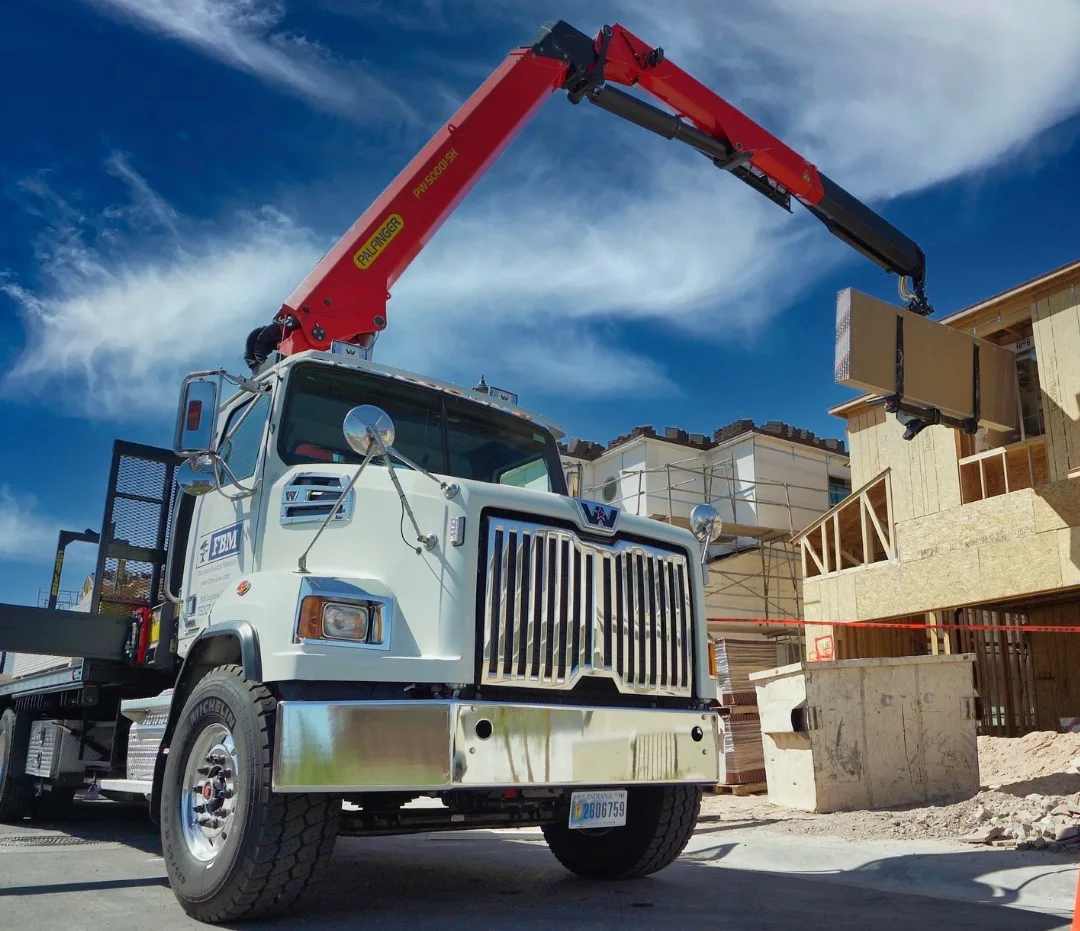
pixel 241 450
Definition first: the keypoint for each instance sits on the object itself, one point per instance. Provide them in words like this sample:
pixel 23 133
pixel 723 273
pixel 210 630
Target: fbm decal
pixel 220 543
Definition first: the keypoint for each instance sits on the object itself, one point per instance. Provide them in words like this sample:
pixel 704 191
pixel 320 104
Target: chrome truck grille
pixel 556 608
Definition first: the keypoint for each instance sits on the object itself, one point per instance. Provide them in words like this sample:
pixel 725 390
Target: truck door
pixel 221 545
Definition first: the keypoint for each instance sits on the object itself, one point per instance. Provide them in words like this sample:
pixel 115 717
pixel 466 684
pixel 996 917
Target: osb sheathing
pixel 1055 323
pixel 988 551
pixel 925 477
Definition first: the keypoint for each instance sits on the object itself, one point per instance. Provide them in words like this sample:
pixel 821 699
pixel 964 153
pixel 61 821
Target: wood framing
pixel 857 531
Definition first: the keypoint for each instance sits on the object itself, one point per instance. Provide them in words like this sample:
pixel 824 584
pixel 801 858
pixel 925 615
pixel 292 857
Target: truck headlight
pixel 323 619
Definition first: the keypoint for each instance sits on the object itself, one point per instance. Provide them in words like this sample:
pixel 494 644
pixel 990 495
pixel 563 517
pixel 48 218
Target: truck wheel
pixel 16 788
pixel 659 822
pixel 233 848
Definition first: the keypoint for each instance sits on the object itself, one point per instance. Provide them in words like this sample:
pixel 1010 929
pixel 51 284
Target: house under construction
pixel 958 535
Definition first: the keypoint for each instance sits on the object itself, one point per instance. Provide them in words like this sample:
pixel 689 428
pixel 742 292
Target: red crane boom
pixel 344 297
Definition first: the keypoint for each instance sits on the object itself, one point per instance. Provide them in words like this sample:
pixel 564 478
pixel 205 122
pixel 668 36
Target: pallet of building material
pixel 735 660
pixel 742 759
pixel 937 361
pixel 748 788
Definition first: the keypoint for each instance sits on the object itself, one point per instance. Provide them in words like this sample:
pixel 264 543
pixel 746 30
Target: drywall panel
pixel 938 361
pixel 1056 327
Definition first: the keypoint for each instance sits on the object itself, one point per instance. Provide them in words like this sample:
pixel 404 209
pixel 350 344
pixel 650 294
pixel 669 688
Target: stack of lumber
pixel 742 763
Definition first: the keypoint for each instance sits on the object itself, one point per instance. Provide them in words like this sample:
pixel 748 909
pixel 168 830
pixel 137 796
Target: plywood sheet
pixel 938 361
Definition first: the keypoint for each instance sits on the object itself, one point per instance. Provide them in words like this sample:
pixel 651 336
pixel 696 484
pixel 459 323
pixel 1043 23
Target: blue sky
pixel 173 168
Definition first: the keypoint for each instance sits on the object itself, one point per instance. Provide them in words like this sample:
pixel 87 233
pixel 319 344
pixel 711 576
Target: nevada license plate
pixel 598 809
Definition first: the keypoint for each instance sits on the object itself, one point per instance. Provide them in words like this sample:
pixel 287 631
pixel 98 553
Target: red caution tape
pixel 792 622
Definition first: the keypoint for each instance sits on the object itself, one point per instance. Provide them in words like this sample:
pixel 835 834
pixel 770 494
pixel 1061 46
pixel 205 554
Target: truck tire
pixel 659 822
pixel 247 852
pixel 16 788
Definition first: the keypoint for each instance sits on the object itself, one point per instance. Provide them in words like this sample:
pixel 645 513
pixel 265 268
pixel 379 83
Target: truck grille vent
pixel 557 608
pixel 309 497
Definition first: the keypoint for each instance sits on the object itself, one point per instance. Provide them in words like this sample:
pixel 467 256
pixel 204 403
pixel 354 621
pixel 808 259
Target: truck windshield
pixel 444 434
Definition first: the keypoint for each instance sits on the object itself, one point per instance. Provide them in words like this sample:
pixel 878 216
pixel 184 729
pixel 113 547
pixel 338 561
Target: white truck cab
pixel 381 613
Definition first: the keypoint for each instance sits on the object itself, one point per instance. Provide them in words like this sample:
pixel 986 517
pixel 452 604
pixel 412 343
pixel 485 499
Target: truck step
pixel 127 786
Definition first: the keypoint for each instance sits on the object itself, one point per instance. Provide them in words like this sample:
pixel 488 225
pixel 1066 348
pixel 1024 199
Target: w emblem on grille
pixel 600 516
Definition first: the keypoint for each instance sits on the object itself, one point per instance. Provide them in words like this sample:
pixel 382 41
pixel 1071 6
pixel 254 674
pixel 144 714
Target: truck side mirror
pixel 196 476
pixel 196 420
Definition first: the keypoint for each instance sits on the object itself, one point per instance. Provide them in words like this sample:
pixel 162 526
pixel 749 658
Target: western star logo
pixel 374 247
pixel 599 516
pixel 225 542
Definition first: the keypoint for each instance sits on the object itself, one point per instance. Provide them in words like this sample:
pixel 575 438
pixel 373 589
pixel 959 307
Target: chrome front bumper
pixel 433 745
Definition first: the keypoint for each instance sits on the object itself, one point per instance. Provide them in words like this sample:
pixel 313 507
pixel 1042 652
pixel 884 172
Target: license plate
pixel 598 809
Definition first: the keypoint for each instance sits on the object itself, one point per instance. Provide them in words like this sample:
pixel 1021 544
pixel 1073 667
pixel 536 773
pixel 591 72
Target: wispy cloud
pixel 25 534
pixel 578 233
pixel 245 34
pixel 119 318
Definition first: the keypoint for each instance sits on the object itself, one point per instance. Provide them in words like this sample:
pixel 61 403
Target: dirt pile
pixel 1030 799
pixel 1037 758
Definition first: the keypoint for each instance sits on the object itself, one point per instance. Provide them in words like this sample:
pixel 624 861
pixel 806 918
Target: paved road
pixel 734 877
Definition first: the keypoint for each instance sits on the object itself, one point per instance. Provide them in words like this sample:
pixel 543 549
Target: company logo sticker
pixel 382 237
pixel 220 544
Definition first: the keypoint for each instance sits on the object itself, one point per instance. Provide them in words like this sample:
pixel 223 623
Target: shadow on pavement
pixel 502 884
pixel 104 821
pixel 478 881
pixel 103 885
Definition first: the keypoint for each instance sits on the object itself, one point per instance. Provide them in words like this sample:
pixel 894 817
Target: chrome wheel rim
pixel 208 793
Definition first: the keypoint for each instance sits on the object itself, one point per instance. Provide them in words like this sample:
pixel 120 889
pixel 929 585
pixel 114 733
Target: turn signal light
pixel 712 659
